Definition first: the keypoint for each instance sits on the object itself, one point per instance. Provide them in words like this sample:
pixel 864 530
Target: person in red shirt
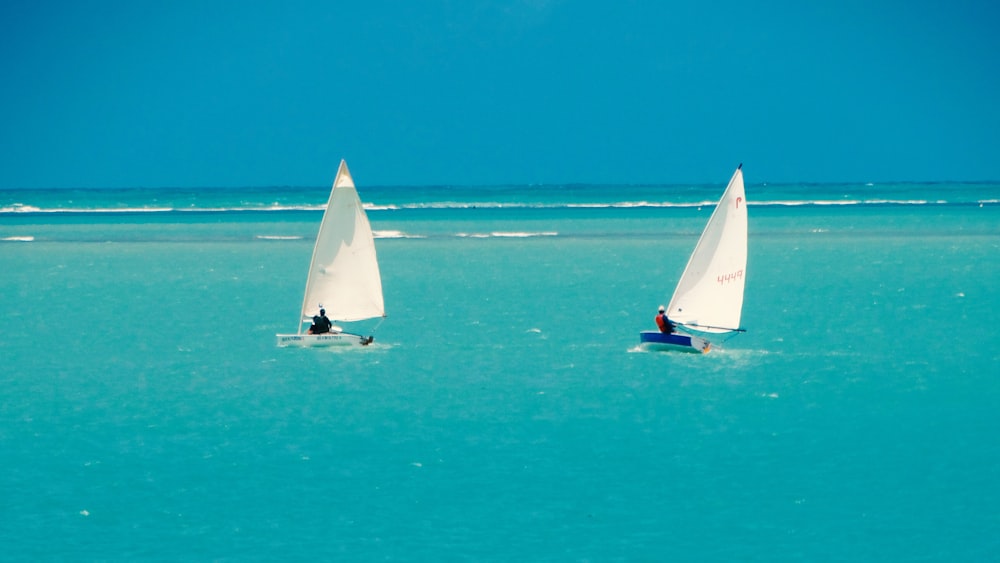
pixel 665 324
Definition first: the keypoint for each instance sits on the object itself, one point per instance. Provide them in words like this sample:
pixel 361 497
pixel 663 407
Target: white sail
pixel 709 295
pixel 343 275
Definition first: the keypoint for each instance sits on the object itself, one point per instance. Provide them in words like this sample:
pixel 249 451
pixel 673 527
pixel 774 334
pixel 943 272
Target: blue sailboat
pixel 708 299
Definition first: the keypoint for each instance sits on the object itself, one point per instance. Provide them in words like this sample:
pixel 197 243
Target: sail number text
pixel 724 279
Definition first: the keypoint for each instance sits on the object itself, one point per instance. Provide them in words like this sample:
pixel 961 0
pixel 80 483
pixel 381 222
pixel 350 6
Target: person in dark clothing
pixel 321 324
pixel 665 324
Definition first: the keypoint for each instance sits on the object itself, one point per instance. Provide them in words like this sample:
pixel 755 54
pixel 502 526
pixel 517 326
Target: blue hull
pixel 675 341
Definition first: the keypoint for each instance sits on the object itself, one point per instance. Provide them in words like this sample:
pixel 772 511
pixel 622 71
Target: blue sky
pixel 179 93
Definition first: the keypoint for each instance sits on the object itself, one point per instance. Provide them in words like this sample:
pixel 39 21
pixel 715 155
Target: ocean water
pixel 505 411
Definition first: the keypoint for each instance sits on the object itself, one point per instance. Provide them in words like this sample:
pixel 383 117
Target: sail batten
pixel 344 275
pixel 709 295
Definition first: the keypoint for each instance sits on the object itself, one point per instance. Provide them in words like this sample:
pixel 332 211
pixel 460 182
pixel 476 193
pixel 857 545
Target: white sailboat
pixel 343 276
pixel 708 299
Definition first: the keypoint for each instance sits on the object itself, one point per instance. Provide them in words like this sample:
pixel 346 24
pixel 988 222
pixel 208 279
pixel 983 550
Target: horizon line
pixel 503 185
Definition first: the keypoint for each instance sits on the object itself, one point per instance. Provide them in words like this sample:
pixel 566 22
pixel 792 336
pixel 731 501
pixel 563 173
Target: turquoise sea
pixel 505 412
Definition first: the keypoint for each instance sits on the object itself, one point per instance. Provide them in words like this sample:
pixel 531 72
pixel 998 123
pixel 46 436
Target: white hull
pixel 323 340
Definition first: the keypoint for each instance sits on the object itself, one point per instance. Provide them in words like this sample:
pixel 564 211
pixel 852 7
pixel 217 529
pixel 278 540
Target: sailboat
pixel 343 276
pixel 708 299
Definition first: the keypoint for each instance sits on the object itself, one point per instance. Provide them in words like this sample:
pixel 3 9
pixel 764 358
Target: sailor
pixel 665 324
pixel 321 324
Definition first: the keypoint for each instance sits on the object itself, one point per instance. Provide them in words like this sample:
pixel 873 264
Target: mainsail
pixel 343 275
pixel 709 295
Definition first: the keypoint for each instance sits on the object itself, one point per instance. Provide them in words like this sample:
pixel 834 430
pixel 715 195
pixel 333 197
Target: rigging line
pixel 731 336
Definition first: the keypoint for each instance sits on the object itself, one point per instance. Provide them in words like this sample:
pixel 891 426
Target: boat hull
pixel 323 340
pixel 653 340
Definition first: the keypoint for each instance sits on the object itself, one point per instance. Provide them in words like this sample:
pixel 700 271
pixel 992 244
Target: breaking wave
pixel 502 234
